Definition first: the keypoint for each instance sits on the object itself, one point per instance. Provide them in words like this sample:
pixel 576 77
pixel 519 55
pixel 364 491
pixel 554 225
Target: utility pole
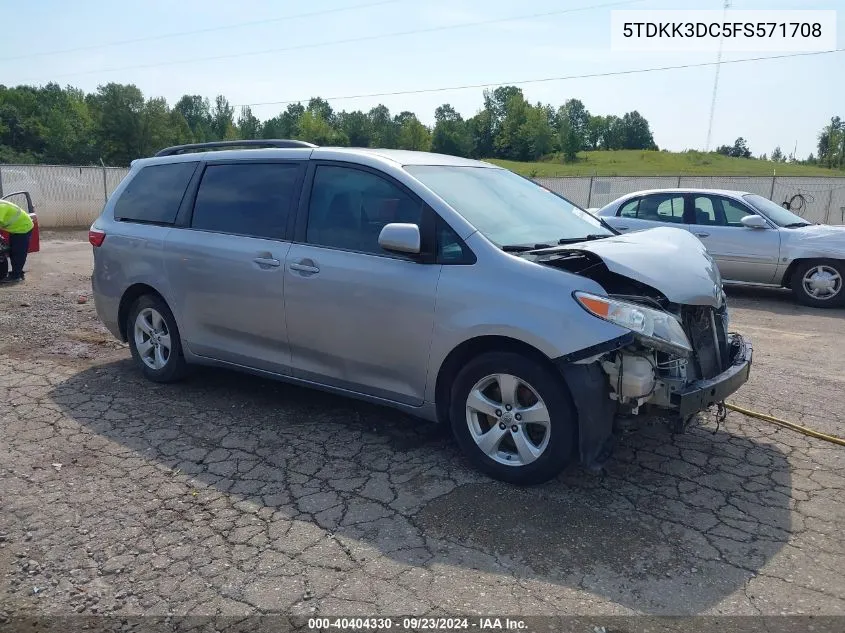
pixel 716 80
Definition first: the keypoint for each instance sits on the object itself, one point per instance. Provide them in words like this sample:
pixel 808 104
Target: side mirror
pixel 754 222
pixel 397 237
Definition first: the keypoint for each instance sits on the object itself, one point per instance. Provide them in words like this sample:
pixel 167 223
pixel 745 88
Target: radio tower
pixel 716 81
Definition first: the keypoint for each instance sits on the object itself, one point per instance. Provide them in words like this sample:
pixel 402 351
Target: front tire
pixel 819 283
pixel 154 340
pixel 513 418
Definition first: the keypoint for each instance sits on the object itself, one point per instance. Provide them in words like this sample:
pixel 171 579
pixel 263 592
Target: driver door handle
pixel 702 234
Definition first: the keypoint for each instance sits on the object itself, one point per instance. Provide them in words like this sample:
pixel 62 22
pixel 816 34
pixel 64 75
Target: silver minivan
pixel 448 288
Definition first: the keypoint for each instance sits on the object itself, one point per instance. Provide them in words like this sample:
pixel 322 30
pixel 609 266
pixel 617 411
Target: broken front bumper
pixel 704 393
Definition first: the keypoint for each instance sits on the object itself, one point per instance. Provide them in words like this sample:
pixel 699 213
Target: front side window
pixel 153 196
pixel 253 199
pixel 719 211
pixel 734 212
pixel 450 248
pixel 349 208
pixel 506 208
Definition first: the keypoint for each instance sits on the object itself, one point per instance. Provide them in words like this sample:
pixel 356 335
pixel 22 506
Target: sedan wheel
pixel 819 283
pixel 822 282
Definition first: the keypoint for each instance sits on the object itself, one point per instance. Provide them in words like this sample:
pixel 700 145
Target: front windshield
pixel 506 208
pixel 776 213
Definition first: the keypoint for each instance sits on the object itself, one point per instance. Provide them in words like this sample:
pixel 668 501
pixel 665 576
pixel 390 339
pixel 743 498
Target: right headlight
pixel 657 329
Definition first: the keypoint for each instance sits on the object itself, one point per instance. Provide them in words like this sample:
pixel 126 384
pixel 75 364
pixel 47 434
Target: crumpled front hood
pixel 821 238
pixel 673 261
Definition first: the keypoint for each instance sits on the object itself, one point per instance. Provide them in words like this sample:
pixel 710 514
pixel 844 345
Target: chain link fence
pixel 63 196
pixel 816 199
pixel 73 196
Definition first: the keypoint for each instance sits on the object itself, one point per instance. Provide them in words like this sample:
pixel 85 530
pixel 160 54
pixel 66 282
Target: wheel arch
pixel 471 348
pixel 129 297
pixel 786 280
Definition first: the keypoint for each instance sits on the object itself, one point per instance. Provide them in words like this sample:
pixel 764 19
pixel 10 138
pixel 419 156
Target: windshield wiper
pixel 586 238
pixel 523 248
pixel 794 225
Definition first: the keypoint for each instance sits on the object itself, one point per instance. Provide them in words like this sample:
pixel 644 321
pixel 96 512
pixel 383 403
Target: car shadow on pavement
pixel 677 525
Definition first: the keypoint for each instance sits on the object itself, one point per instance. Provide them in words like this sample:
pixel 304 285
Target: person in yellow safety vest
pixel 17 223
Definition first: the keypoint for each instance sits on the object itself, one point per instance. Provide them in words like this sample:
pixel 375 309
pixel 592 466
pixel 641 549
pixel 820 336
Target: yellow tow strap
pixel 789 425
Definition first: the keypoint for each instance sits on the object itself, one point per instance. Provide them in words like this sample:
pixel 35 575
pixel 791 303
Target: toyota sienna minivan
pixel 451 289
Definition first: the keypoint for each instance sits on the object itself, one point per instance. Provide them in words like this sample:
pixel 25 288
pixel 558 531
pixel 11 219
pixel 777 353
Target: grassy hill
pixel 648 163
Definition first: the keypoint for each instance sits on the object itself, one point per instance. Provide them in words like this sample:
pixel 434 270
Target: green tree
pixel 182 133
pixel 67 126
pixel 357 127
pixel 738 150
pixel 118 112
pixel 636 132
pixel 509 141
pixel 573 121
pixel 21 126
pixel 222 122
pixel 481 134
pixel 596 132
pixel 496 102
pixel 196 111
pixel 315 129
pixel 413 135
pixel 286 124
pixel 451 133
pixel 320 107
pixel 249 127
pixel 831 145
pixel 157 131
pixel 384 129
pixel 537 131
pixel 614 133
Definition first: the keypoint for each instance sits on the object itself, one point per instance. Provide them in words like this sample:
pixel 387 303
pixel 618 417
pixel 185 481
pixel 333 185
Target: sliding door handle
pixel 304 268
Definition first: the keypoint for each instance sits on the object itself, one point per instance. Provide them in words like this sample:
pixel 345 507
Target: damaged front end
pixel 681 358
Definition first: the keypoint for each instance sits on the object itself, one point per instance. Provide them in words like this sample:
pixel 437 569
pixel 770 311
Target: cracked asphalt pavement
pixel 233 495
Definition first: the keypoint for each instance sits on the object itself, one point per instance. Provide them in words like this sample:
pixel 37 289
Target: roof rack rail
pixel 191 147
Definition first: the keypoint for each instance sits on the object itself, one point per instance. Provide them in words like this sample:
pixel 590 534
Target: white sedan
pixel 752 239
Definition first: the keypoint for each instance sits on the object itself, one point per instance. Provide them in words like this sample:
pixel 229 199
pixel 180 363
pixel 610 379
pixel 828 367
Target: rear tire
pixel 154 340
pixel 819 283
pixel 513 418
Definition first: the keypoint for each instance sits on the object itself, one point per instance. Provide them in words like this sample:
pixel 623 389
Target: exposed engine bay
pixel 647 374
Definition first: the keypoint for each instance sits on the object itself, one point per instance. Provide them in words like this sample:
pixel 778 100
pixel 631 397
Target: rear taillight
pixel 96 237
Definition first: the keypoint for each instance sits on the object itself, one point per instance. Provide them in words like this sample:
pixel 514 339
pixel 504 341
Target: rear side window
pixel 629 209
pixel 253 199
pixel 155 193
pixel 662 208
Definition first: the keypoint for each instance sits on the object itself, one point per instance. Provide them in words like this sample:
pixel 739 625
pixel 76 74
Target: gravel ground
pixel 232 495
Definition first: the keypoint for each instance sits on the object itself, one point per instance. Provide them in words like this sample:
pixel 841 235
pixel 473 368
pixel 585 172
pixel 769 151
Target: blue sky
pixel 770 103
